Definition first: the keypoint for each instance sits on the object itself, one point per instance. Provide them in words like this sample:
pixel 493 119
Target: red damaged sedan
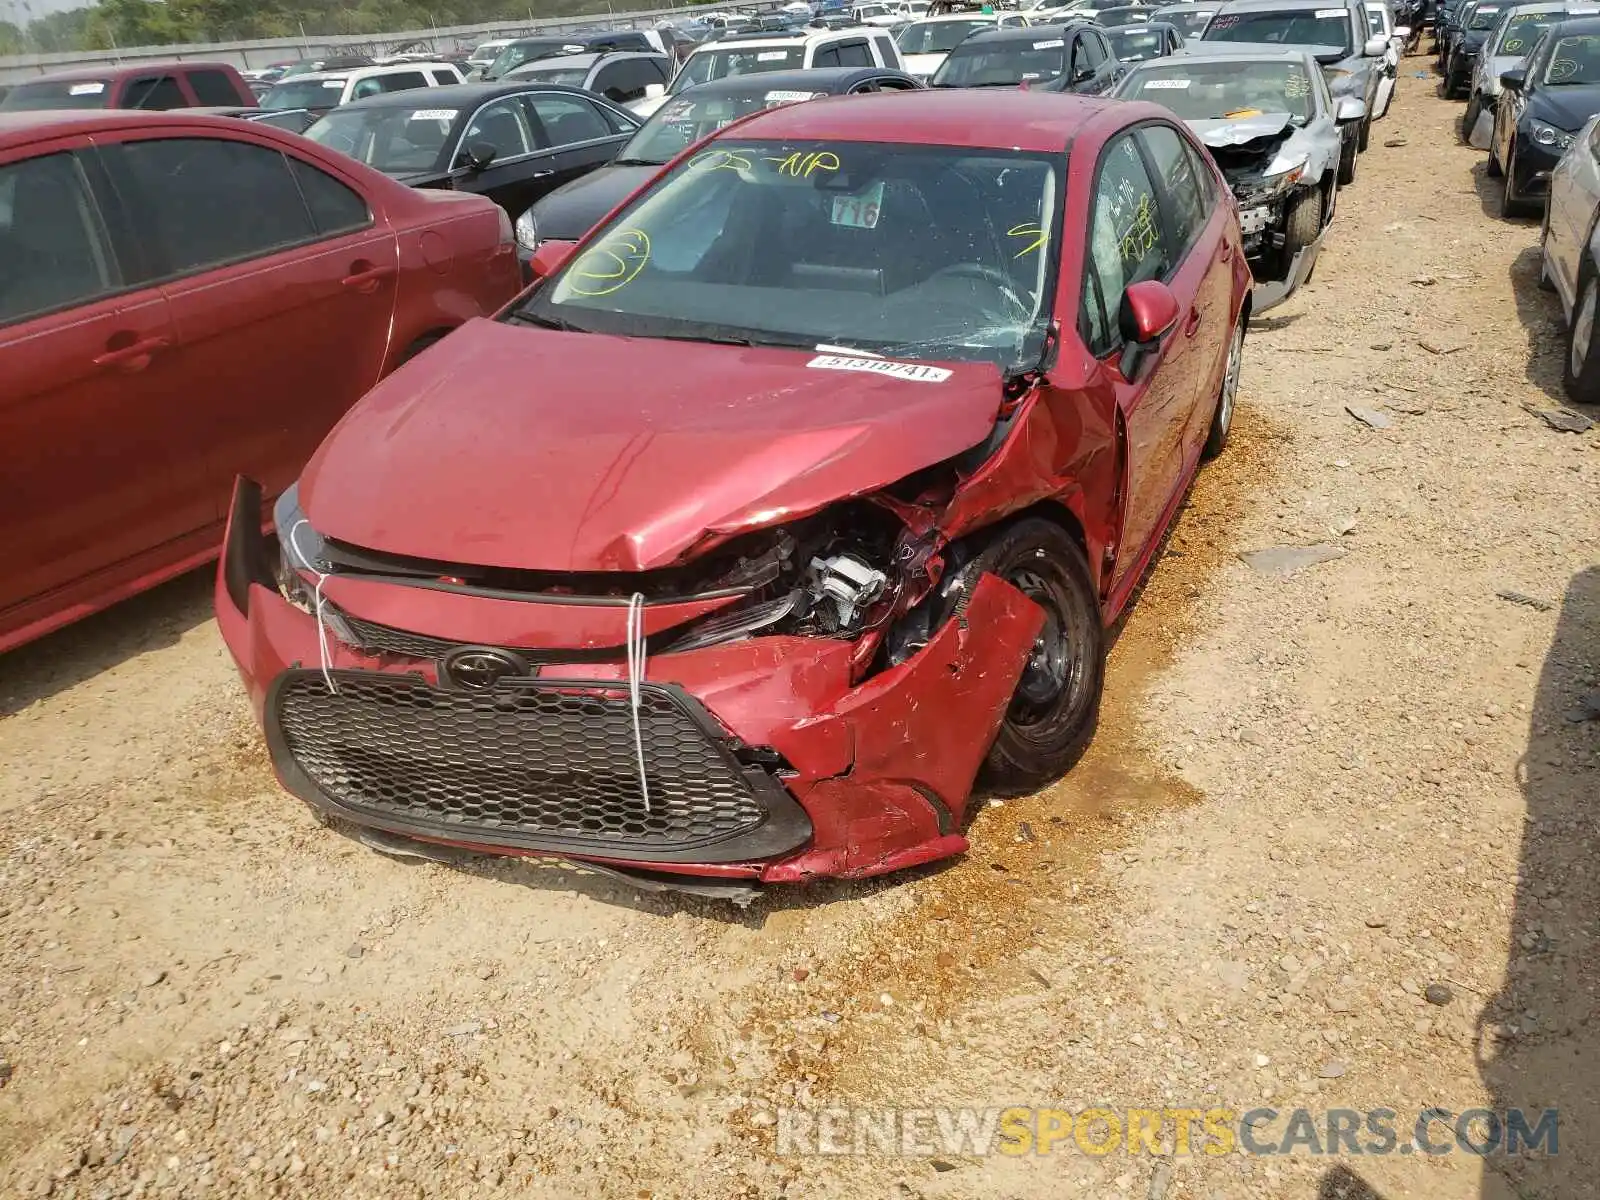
pixel 797 499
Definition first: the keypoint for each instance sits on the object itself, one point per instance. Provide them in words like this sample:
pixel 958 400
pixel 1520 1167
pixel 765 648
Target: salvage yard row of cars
pixel 1530 73
pixel 778 496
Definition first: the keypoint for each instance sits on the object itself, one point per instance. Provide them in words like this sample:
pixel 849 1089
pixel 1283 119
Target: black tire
pixel 1469 118
pixel 1303 223
pixel 1053 712
pixel 1364 134
pixel 1347 163
pixel 1492 168
pixel 1228 394
pixel 1546 284
pixel 1511 204
pixel 1453 81
pixel 1583 383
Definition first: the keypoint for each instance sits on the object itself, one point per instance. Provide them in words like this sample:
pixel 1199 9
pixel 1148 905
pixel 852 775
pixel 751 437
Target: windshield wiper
pixel 724 339
pixel 528 318
pixel 634 162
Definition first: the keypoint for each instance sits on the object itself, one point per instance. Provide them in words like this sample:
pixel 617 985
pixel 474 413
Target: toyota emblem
pixel 479 668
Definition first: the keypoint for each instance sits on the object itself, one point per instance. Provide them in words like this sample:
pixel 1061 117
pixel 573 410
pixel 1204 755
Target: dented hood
pixel 506 446
pixel 1225 132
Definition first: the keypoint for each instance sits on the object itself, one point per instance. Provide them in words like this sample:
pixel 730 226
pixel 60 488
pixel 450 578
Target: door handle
pixel 1192 325
pixel 363 273
pixel 135 356
pixel 541 175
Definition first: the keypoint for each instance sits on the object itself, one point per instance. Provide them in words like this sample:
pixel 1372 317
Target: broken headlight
pixel 835 583
pixel 1278 178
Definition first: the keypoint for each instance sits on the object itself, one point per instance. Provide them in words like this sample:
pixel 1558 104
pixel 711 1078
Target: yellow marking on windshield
pixel 611 264
pixel 720 160
pixel 1028 229
pixel 801 165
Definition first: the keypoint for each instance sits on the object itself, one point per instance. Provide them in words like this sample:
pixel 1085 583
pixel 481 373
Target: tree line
pixel 123 23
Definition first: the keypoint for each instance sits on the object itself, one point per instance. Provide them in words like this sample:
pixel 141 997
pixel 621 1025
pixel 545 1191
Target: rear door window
pixel 402 81
pixel 855 54
pixel 1127 242
pixel 157 92
pixel 567 119
pixel 51 241
pixel 213 88
pixel 210 202
pixel 334 207
pixel 1188 209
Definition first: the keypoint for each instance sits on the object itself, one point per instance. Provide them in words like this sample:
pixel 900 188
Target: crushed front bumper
pixel 766 759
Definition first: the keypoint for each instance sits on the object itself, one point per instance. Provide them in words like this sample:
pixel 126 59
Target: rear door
pixel 577 133
pixel 282 283
pixel 1202 250
pixel 91 469
pixel 1127 245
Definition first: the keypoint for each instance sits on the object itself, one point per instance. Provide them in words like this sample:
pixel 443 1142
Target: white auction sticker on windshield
pixel 1055 45
pixel 86 89
pixel 435 114
pixel 1324 13
pixel 772 56
pixel 915 372
pixel 788 97
pixel 333 83
pixel 1159 84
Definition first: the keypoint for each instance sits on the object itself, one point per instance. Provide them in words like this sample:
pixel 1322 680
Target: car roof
pixel 778 38
pixel 586 59
pixel 1167 8
pixel 1575 25
pixel 834 80
pixel 1017 33
pixel 1141 27
pixel 958 16
pixel 364 71
pixel 66 122
pixel 460 95
pixel 1252 52
pixel 1235 6
pixel 1039 122
pixel 118 71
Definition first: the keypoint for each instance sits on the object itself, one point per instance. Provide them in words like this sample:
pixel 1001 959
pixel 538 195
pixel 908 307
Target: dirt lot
pixel 1314 796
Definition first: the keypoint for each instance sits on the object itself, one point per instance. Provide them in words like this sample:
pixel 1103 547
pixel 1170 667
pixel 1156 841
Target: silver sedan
pixel 1570 253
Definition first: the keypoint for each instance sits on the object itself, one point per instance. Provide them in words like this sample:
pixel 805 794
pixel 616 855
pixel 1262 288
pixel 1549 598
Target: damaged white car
pixel 1272 126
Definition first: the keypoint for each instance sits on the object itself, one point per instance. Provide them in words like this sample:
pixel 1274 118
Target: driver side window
pixel 1126 244
pixel 501 125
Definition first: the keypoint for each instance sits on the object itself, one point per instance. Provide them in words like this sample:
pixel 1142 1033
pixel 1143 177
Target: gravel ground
pixel 1333 848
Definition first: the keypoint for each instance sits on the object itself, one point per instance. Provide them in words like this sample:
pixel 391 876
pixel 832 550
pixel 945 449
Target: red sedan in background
pixel 183 299
pixel 801 493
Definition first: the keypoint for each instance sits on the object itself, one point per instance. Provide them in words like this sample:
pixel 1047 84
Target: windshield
pixel 1136 45
pixel 574 76
pixel 397 140
pixel 706 65
pixel 1574 60
pixel 1188 22
pixel 79 93
pixel 937 37
pixel 1301 27
pixel 485 53
pixel 1214 91
pixel 299 68
pixel 517 53
pixel 1003 64
pixel 1522 30
pixel 684 120
pixel 1484 17
pixel 305 93
pixel 917 252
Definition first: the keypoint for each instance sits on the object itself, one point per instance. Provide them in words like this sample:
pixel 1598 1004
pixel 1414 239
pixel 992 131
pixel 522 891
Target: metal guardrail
pixel 15 68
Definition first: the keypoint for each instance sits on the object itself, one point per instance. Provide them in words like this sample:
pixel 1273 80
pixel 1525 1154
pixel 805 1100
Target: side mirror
pixel 1376 47
pixel 1149 312
pixel 1402 32
pixel 1348 109
pixel 654 91
pixel 1513 80
pixel 476 156
pixel 547 259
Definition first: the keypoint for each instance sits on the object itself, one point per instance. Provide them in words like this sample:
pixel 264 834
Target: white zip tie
pixel 316 595
pixel 635 642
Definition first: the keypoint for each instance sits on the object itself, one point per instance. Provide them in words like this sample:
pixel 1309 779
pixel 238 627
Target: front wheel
pixel 1303 223
pixel 1470 117
pixel 1511 204
pixel 1056 704
pixel 1347 162
pixel 1582 374
pixel 1364 134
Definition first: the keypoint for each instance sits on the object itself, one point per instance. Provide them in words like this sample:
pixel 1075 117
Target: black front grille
pixel 373 636
pixel 531 764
